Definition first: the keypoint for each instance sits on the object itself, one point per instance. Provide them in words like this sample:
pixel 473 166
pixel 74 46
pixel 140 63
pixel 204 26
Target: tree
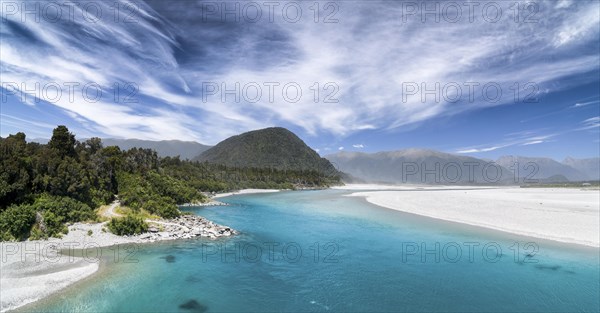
pixel 94 145
pixel 111 159
pixel 15 176
pixel 63 141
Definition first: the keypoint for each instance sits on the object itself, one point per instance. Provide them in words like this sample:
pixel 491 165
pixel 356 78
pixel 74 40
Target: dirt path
pixel 110 212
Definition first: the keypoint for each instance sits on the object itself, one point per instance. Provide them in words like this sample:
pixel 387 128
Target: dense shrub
pixel 162 206
pixel 155 194
pixel 179 191
pixel 128 225
pixel 65 209
pixel 53 224
pixel 16 222
pixel 37 234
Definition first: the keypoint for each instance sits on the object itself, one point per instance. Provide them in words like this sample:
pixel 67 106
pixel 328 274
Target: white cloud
pixel 585 25
pixel 370 69
pixel 358 146
pixel 369 54
pixel 535 142
pixel 582 104
pixel 563 4
pixel 590 123
pixel 473 150
pixel 341 148
pixel 467 151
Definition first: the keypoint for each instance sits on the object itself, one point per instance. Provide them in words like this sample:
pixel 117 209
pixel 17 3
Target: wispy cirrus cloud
pixel 532 137
pixel 524 138
pixel 368 55
pixel 582 104
pixel 590 123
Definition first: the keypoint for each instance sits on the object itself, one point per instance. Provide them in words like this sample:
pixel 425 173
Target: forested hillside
pixel 273 147
pixel 42 187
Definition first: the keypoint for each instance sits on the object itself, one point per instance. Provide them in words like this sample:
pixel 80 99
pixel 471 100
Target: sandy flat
pixel 404 187
pixel 32 270
pixel 560 214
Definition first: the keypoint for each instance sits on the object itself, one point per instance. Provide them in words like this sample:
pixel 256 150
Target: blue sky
pixel 389 75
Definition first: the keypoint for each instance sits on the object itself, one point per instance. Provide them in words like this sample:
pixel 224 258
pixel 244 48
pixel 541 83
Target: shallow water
pixel 321 251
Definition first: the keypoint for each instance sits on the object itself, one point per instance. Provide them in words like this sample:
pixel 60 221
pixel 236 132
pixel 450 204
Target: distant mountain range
pixel 542 168
pixel 422 166
pixel 419 166
pixel 279 148
pixel 273 147
pixel 164 148
pixel 590 167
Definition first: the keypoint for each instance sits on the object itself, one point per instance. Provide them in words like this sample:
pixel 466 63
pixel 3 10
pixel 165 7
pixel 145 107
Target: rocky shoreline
pixel 185 227
pixel 25 279
pixel 210 203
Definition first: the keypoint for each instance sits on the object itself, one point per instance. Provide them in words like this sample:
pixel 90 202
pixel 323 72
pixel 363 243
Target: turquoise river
pixel 320 251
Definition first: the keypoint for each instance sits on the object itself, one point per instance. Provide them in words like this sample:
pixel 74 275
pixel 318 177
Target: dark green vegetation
pixel 185 149
pixel 276 148
pixel 128 225
pixel 215 177
pixel 42 187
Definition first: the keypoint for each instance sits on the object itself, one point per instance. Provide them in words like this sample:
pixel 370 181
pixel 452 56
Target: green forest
pixel 43 187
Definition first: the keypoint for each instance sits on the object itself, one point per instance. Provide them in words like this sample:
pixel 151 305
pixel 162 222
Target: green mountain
pixel 274 147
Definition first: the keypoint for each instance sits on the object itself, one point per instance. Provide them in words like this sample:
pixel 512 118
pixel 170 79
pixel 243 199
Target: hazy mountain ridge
pixel 542 168
pixel 589 166
pixel 399 167
pixel 164 148
pixel 273 147
pixel 420 166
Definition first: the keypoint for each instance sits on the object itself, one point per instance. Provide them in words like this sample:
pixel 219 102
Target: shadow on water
pixel 551 268
pixel 193 306
pixel 554 268
pixel 548 267
pixel 193 279
pixel 169 258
